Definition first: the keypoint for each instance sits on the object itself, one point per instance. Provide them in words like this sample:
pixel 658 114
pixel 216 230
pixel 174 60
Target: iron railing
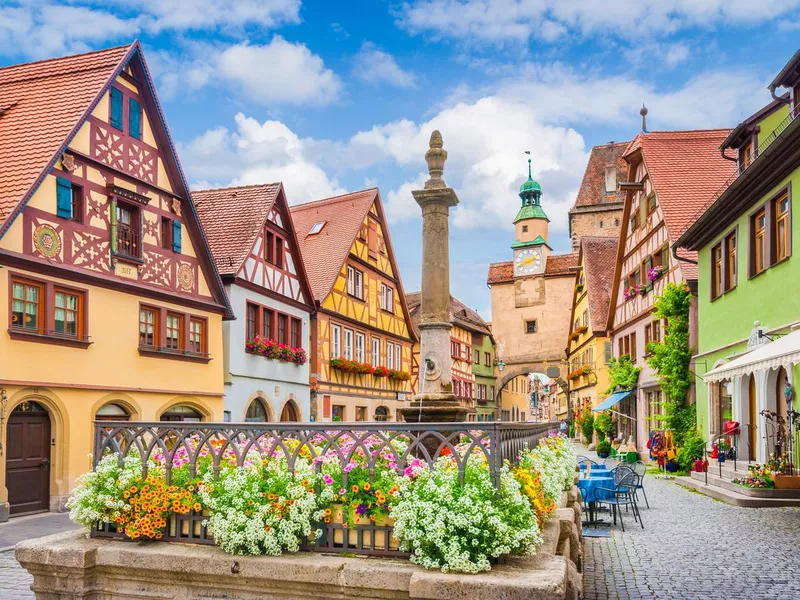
pixel 235 443
pixel 734 444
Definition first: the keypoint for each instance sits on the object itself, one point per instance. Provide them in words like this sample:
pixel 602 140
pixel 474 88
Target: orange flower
pixel 367 486
pixel 197 507
pixel 355 489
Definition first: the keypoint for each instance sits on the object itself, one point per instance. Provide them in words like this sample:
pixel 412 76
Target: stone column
pixel 435 400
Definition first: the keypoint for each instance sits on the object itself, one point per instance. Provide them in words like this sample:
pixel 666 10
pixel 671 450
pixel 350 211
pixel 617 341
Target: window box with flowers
pixel 381 372
pixel 275 351
pixel 399 375
pixel 352 366
pixel 576 333
pixel 579 372
pixel 655 273
pixel 632 291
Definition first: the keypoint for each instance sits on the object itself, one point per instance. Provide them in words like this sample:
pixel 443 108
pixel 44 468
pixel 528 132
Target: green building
pixel 749 281
pixel 483 369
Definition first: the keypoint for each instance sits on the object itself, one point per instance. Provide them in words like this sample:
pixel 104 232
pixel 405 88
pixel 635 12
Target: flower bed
pixel 274 494
pixel 273 350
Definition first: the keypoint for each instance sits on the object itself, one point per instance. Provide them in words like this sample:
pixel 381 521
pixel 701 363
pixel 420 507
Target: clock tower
pixel 530 248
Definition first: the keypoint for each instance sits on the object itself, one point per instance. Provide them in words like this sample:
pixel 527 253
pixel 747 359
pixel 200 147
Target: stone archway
pixel 515 369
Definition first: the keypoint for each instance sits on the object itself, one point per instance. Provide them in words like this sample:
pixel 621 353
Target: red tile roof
pixel 40 104
pixel 232 218
pixel 460 314
pixel 593 187
pixel 599 257
pixel 686 170
pixel 500 272
pixel 560 264
pixel 325 253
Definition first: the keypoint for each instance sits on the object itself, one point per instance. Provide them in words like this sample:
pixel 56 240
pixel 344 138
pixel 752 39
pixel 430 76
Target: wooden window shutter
pixel 176 236
pixel 63 197
pixel 116 108
pixel 135 119
pixel 112 218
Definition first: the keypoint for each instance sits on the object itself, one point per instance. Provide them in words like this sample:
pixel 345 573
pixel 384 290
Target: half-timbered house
pixel 252 239
pixel 111 303
pixel 361 333
pixel 672 177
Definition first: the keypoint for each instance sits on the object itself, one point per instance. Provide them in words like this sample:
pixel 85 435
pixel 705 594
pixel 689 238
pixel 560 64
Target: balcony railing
pixel 216 446
pixel 129 241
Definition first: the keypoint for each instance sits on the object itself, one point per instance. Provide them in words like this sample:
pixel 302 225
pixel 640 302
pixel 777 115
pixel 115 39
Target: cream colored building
pixel 515 399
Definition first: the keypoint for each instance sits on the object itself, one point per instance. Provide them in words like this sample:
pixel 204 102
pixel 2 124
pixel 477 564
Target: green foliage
pixel 587 427
pixel 670 357
pixel 692 449
pixel 603 446
pixel 622 373
pixel 602 425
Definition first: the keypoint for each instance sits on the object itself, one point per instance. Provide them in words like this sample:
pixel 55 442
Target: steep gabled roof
pixel 42 107
pixel 592 192
pixel 232 218
pixel 686 170
pixel 325 252
pixel 598 256
pixel 460 314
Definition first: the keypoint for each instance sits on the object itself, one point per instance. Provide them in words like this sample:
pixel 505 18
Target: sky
pixel 331 96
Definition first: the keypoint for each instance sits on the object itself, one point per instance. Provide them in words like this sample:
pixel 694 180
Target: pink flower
pixel 327 479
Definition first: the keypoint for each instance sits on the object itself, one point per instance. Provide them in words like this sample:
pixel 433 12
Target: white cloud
pixel 676 54
pixel 40 31
pixel 372 65
pixel 511 21
pixel 256 153
pixel 279 72
pixel 183 15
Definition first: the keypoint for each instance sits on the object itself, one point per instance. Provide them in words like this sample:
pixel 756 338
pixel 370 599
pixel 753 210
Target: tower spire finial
pixel 528 152
pixel 643 112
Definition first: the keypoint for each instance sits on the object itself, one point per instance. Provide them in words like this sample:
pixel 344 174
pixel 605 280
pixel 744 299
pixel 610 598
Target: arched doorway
pixel 381 414
pixel 112 412
pixel 181 413
pixel 290 412
pixel 257 412
pixel 28 459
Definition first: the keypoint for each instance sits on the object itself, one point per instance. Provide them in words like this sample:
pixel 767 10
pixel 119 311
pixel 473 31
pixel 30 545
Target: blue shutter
pixel 176 236
pixel 135 119
pixel 116 108
pixel 64 197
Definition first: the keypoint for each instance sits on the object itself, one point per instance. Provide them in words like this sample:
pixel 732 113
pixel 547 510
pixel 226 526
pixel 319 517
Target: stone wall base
pixel 71 566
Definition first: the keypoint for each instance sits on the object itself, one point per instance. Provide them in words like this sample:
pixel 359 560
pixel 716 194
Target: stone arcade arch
pixel 554 370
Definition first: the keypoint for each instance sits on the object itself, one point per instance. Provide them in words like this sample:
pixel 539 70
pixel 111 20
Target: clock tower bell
pixel 530 248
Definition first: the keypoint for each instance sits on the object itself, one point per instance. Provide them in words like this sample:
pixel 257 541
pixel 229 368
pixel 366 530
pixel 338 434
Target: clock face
pixel 528 261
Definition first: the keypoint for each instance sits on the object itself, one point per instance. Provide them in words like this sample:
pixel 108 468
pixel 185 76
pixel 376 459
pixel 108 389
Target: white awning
pixel 783 352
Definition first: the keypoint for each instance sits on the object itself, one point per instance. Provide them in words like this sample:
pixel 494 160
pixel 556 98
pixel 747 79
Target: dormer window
pixel 317 227
pixel 745 156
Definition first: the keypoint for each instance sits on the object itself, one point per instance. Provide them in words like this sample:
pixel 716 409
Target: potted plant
pixel 603 448
pixel 722 447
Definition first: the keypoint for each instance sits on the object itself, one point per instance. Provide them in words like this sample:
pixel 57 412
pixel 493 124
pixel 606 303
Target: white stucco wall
pixel 248 376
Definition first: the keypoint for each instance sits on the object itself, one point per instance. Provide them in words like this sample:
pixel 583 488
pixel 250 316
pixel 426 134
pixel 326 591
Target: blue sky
pixel 336 96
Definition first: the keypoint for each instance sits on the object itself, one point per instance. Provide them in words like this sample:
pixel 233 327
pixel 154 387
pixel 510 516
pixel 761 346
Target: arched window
pixel 381 413
pixel 179 412
pixel 29 407
pixel 257 412
pixel 290 412
pixel 112 412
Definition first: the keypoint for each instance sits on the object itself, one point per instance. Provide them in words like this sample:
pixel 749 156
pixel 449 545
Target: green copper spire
pixel 530 192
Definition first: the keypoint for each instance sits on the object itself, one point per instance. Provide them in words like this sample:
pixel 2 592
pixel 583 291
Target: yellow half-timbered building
pixel 361 333
pixel 110 302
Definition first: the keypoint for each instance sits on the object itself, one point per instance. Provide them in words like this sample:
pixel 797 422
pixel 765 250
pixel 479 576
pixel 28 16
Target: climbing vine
pixel 622 373
pixel 670 359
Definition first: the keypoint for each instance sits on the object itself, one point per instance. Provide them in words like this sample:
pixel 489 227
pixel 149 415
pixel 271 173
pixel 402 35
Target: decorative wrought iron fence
pixel 235 444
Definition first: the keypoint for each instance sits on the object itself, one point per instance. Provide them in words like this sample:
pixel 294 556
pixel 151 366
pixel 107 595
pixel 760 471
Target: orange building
pixel 361 334
pixel 111 301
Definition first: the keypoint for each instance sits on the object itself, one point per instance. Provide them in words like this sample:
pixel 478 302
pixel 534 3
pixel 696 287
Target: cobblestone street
pixel 694 547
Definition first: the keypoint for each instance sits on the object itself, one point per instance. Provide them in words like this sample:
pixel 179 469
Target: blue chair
pixel 625 481
pixel 640 469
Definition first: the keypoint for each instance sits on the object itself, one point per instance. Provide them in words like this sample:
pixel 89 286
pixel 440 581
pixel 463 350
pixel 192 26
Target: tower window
pixel 611 180
pixel 601 224
pixel 530 326
pixel 524 229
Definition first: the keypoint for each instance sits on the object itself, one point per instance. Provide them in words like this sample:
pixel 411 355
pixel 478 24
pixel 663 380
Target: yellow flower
pixel 367 486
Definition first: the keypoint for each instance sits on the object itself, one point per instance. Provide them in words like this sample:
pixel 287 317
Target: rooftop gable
pixel 460 314
pixel 592 192
pixel 598 256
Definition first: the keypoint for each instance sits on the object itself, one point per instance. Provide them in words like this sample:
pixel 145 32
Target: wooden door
pixel 28 459
pixel 752 416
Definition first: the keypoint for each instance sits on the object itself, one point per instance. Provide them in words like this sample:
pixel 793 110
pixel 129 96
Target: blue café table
pixel 599 469
pixel 593 490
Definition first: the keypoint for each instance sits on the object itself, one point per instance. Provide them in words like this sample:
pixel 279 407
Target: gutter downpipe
pixel 778 98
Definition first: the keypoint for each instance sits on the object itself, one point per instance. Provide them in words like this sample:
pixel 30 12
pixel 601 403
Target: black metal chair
pixel 611 463
pixel 640 469
pixel 585 460
pixel 625 480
